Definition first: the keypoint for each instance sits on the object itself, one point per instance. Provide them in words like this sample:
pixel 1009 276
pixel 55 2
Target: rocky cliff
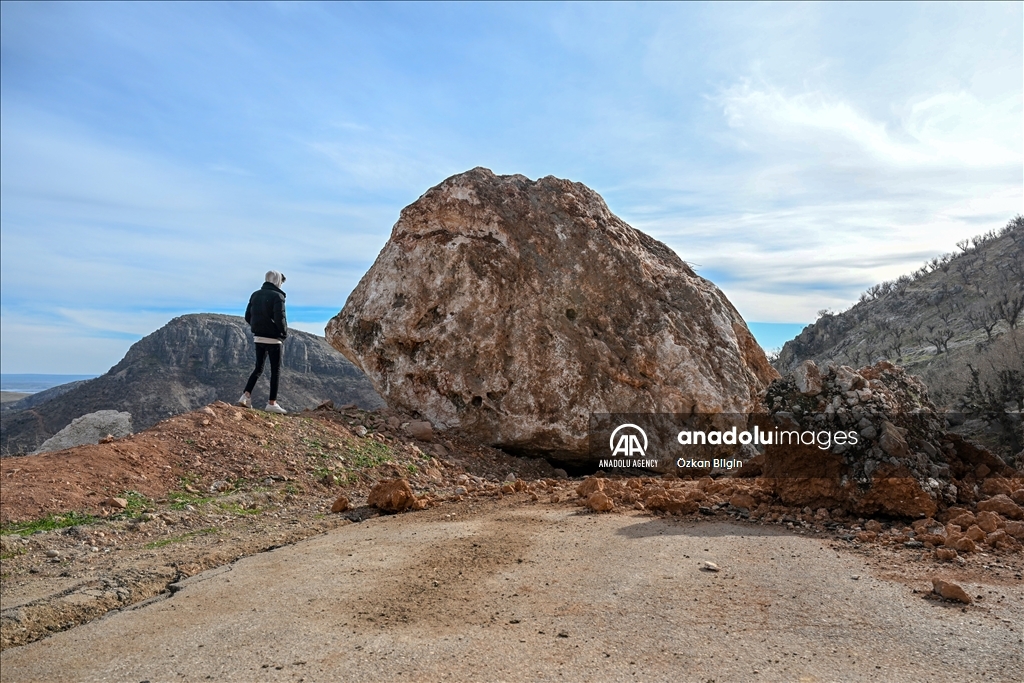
pixel 511 309
pixel 188 363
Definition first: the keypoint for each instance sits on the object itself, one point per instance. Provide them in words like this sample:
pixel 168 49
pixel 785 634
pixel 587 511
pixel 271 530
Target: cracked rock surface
pixel 511 309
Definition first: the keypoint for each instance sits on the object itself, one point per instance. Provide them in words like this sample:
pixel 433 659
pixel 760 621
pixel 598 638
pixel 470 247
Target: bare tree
pixel 963 267
pixel 946 314
pixel 896 335
pixel 986 319
pixel 1010 307
pixel 939 337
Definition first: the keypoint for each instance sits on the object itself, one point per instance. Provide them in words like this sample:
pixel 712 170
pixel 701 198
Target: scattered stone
pixel 391 495
pixel 1003 505
pixel 220 486
pixel 600 502
pixel 741 500
pixel 674 502
pixel 873 525
pixel 1016 530
pixel 360 430
pixel 964 545
pixel 808 378
pixel 989 521
pixel 945 554
pixel 511 477
pixel 710 566
pixel 52 553
pixel 119 503
pixel 421 430
pixel 590 485
pixel 993 486
pixel 892 441
pixel 340 504
pixel 1001 540
pixel 950 591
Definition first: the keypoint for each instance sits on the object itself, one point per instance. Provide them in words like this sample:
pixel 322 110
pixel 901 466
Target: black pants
pixel 262 351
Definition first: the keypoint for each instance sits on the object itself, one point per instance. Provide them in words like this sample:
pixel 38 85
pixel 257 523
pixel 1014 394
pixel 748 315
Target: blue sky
pixel 156 159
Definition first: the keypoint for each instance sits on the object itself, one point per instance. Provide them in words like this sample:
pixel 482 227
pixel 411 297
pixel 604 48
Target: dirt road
pixel 492 591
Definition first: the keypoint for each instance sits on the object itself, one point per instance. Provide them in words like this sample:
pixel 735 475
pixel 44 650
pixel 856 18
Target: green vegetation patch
pixel 179 499
pixel 367 453
pixel 237 508
pixel 48 523
pixel 137 504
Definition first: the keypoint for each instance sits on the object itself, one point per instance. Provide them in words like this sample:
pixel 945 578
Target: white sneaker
pixel 245 401
pixel 275 408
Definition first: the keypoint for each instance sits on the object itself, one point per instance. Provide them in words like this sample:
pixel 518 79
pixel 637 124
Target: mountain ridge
pixel 191 361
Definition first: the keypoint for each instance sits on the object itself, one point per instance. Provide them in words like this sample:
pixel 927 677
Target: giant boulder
pixel 511 309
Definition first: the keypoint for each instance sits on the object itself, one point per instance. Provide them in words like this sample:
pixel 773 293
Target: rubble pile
pixel 672 495
pixel 902 461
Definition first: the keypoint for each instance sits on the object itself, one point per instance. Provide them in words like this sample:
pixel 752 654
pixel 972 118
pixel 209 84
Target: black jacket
pixel 265 312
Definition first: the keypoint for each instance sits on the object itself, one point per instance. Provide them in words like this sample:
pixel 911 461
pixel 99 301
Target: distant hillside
pixel 956 322
pixel 188 363
pixel 40 397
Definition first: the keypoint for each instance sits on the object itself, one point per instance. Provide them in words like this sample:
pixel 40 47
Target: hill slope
pixel 958 323
pixel 953 303
pixel 190 362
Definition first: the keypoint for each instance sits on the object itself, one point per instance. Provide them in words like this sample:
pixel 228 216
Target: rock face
pixel 89 429
pixel 511 309
pixel 191 361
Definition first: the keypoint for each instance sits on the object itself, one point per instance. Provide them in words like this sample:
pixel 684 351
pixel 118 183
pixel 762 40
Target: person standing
pixel 266 316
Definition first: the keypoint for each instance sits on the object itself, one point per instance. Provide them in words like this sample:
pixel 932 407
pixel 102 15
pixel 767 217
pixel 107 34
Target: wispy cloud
pixel 946 129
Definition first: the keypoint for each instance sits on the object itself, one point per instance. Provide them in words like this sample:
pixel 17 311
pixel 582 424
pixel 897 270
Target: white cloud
pixel 827 199
pixel 942 129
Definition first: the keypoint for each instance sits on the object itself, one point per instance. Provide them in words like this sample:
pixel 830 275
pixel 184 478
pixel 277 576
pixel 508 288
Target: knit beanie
pixel 275 278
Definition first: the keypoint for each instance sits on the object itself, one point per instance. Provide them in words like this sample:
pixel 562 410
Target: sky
pixel 156 159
